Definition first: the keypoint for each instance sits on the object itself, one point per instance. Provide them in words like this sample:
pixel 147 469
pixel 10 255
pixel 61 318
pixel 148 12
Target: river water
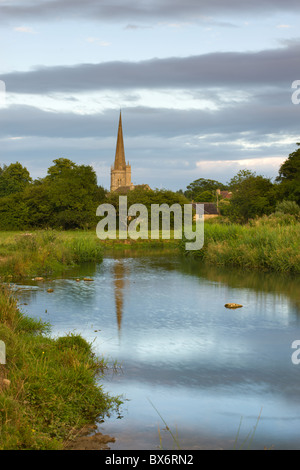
pixel 212 375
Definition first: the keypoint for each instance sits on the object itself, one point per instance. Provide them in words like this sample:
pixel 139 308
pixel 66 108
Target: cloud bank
pixel 219 69
pixel 129 10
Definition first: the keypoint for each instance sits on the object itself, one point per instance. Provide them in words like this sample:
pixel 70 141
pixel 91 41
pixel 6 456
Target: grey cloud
pixel 163 145
pixel 218 69
pixel 136 26
pixel 130 10
pixel 258 117
pixel 159 166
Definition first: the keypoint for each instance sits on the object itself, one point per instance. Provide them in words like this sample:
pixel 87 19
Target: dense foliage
pixel 147 197
pixel 289 177
pixel 66 198
pixel 203 190
pixel 253 195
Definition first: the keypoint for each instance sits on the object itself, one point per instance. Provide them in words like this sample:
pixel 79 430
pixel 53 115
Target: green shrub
pixel 288 207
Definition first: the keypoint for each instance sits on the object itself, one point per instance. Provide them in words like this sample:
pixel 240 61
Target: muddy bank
pixel 87 441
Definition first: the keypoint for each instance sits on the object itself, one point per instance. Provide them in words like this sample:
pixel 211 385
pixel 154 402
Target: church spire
pixel 120 163
pixel 120 174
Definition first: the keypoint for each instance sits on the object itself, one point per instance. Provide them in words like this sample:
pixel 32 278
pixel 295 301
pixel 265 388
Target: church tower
pixel 120 175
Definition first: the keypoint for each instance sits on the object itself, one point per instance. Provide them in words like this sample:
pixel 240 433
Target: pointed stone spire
pixel 120 163
pixel 120 173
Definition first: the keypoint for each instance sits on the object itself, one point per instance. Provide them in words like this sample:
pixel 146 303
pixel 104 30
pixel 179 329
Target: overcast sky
pixel 205 86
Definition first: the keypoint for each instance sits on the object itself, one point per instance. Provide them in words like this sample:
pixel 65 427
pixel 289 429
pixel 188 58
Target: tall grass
pixel 46 252
pixel 174 436
pixel 250 436
pixel 53 390
pixel 268 243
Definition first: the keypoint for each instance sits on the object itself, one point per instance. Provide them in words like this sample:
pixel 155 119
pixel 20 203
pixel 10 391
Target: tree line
pixel 253 195
pixel 68 196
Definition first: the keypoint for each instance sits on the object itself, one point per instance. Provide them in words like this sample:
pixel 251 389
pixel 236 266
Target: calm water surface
pixel 205 369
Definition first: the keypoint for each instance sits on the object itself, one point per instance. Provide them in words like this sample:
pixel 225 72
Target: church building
pixel 120 175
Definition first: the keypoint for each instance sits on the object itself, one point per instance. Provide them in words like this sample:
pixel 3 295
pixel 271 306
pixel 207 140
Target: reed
pixel 249 437
pixel 167 428
pixel 266 243
pixel 46 252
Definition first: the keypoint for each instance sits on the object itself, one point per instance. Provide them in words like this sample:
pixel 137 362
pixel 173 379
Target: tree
pixel 147 197
pixel 73 194
pixel 253 195
pixel 240 177
pixel 66 198
pixel 288 207
pixel 290 169
pixel 37 198
pixel 13 179
pixel 205 196
pixel 13 213
pixel 201 185
pixel 289 177
pixel 61 166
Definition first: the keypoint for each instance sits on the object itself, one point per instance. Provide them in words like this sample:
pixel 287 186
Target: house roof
pixel 209 208
pixel 126 189
pixel 226 194
pixel 122 189
pixel 142 186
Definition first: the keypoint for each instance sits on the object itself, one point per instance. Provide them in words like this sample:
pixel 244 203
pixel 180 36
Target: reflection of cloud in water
pixel 178 339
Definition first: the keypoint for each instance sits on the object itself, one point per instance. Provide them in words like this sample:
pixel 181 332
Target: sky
pixel 205 86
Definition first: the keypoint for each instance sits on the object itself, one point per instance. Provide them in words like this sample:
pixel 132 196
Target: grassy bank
pixel 269 243
pixel 46 252
pixel 53 390
pixel 53 252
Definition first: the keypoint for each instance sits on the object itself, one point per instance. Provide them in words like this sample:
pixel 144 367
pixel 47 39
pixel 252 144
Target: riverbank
pixel 50 253
pixel 46 252
pixel 269 244
pixel 49 395
pixel 48 387
pixel 132 285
